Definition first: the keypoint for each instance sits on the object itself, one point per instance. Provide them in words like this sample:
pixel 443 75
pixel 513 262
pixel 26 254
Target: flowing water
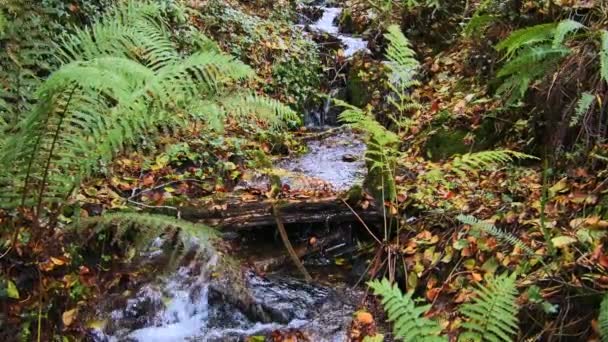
pixel 327 24
pixel 185 306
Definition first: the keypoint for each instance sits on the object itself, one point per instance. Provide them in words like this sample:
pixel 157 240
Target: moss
pixel 446 143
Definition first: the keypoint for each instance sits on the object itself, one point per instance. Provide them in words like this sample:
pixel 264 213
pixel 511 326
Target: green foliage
pixel 604 55
pixel 136 233
pixel 124 81
pixel 582 108
pixel 495 232
pixel 403 66
pixel 485 160
pixel 409 321
pixel 526 37
pixel 531 54
pixel 478 23
pixel 492 316
pixel 603 319
pixel 564 28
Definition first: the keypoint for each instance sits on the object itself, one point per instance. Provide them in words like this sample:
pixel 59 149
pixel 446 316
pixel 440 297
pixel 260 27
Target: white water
pixel 327 24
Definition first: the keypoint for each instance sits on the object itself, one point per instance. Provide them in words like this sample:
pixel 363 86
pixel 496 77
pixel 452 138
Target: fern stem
pixel 51 152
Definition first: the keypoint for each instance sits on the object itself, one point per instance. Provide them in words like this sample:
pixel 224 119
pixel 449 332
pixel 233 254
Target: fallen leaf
pixel 68 317
pixel 563 241
pixel 11 290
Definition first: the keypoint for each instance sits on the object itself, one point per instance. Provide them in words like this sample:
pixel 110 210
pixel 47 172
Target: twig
pixel 362 222
pixel 288 246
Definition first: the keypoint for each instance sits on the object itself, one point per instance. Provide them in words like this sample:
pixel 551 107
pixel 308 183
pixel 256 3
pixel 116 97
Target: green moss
pixel 446 143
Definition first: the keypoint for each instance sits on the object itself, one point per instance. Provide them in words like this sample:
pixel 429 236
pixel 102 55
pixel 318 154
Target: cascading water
pixel 184 306
pixel 327 24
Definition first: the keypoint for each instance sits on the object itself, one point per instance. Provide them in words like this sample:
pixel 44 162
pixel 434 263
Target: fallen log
pixel 233 214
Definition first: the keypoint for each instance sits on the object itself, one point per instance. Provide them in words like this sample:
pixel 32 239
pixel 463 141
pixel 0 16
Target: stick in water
pixel 290 250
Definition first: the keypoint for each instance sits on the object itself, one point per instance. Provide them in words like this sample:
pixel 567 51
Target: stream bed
pixel 183 306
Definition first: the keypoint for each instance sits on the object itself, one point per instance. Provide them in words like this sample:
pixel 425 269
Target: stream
pixel 185 306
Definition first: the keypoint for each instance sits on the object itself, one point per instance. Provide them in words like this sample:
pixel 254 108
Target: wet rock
pixel 349 158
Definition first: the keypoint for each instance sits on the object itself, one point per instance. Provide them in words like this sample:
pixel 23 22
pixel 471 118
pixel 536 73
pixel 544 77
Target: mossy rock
pixel 365 78
pixel 446 143
pixel 346 22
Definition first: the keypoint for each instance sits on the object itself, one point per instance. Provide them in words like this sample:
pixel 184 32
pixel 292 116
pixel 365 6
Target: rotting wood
pixel 234 214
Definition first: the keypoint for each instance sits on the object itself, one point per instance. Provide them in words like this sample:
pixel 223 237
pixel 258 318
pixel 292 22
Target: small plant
pixel 491 316
pixel 409 321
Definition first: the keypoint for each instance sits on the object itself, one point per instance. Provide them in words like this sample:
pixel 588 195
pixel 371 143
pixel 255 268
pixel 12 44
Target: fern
pixel 492 316
pixel 604 55
pixel 564 28
pixel 495 232
pixel 603 319
pixel 409 321
pixel 582 108
pixel 526 37
pixel 118 91
pixel 484 160
pixel 400 55
pixel 478 24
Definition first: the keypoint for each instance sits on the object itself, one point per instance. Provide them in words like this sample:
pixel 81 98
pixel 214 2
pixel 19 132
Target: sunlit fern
pixel 492 316
pixel 409 323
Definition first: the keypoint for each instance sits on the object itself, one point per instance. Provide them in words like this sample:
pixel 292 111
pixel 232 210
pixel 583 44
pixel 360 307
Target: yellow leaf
pixel 11 290
pixel 563 241
pixel 57 261
pixel 68 317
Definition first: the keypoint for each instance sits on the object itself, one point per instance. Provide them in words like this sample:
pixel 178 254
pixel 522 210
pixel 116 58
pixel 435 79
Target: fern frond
pixel 485 160
pixel 603 319
pixel 408 319
pixel 138 231
pixel 478 24
pixel 266 110
pixel 495 232
pixel 530 57
pixel 582 108
pixel 492 316
pixel 527 36
pixel 604 55
pixel 399 53
pixel 564 28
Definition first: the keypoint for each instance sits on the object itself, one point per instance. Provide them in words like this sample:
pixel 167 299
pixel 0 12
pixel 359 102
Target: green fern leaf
pixel 527 36
pixel 492 316
pixel 604 55
pixel 485 160
pixel 564 28
pixel 478 24
pixel 408 319
pixel 582 108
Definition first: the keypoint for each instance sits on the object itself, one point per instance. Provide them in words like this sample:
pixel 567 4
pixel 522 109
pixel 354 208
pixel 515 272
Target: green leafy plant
pixel 408 318
pixel 531 53
pixel 583 106
pixel 485 160
pixel 123 81
pixel 492 316
pixel 603 319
